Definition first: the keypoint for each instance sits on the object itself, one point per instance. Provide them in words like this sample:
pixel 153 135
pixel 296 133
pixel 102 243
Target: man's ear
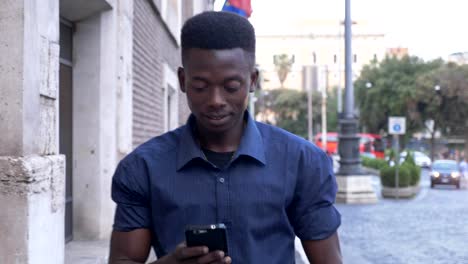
pixel 254 80
pixel 181 77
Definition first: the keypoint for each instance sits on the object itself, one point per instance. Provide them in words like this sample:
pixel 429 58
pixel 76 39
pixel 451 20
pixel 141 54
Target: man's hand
pixel 194 255
pixel 133 247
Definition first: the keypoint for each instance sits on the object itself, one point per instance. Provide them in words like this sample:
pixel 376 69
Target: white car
pixel 421 159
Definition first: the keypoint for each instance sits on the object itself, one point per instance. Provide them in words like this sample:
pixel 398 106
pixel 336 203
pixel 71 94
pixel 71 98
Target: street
pixel 431 228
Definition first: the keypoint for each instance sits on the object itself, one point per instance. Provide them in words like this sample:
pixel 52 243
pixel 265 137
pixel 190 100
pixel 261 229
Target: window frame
pixel 174 30
pixel 171 99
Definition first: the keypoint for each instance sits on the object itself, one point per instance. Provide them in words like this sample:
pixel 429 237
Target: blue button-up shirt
pixel 276 186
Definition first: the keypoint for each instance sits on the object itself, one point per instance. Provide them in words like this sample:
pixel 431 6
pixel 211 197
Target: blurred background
pixel 83 82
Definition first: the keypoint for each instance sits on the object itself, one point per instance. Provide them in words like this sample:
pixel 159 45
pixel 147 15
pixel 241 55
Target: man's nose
pixel 216 98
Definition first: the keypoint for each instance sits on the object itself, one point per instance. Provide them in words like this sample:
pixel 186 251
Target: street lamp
pixel 340 107
pixel 368 85
pixel 353 185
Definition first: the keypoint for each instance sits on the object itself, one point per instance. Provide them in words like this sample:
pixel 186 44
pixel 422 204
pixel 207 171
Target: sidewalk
pixel 97 252
pixel 87 252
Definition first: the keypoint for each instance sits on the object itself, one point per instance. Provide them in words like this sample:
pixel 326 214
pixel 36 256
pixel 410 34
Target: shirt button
pixel 221 180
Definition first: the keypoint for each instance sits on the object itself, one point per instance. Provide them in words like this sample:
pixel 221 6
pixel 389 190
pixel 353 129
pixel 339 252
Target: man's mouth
pixel 216 117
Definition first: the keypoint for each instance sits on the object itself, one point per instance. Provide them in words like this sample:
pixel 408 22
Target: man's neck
pixel 222 142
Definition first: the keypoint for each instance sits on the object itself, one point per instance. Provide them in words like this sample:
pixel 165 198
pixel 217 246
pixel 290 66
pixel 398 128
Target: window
pixel 355 58
pixel 171 12
pixel 334 58
pixel 171 99
pixel 314 57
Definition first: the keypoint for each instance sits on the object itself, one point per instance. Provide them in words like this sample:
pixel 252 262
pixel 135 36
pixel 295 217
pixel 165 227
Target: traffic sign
pixel 397 125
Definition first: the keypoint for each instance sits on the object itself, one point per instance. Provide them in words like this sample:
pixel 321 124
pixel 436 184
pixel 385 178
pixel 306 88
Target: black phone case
pixel 213 236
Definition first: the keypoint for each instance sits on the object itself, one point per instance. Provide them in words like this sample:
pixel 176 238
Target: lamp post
pixel 353 185
pixel 340 97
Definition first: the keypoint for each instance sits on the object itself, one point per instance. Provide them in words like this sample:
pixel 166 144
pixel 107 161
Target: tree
pixel 283 64
pixel 388 89
pixel 443 97
pixel 332 110
pixel 288 109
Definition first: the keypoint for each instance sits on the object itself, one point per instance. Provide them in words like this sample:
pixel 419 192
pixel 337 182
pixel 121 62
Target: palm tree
pixel 283 64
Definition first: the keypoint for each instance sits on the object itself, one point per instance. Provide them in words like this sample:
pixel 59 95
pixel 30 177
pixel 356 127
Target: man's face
pixel 217 84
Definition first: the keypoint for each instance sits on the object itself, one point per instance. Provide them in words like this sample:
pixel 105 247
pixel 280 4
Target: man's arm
pixel 325 251
pixel 130 247
pixel 133 248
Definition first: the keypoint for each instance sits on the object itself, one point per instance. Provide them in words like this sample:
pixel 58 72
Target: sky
pixel 429 28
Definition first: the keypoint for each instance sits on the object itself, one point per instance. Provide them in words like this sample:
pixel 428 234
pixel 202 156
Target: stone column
pixel 32 174
pixel 102 108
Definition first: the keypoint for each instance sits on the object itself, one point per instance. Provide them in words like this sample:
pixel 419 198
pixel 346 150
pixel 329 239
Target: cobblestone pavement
pixel 431 228
pixel 96 252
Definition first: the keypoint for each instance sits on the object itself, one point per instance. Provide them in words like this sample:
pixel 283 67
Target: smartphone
pixel 212 236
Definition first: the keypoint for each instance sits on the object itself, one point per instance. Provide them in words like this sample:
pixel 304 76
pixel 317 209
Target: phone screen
pixel 212 236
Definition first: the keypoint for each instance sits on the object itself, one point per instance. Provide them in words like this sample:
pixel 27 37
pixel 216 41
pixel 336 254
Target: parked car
pixel 421 159
pixel 445 172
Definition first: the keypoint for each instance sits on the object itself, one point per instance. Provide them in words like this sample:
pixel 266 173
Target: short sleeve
pixel 130 191
pixel 312 212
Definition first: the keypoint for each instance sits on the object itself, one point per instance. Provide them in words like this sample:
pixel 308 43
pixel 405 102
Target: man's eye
pixel 198 89
pixel 232 89
pixel 232 86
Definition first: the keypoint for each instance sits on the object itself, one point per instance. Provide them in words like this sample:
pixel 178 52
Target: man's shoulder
pixel 158 146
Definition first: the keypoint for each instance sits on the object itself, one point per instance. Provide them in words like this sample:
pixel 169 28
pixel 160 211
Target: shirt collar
pixel 188 148
pixel 251 143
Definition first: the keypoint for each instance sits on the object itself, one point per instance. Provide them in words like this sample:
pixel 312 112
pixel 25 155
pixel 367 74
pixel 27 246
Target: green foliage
pixel 390 153
pixel 373 163
pixel 283 64
pixel 415 175
pixel 448 104
pixel 418 90
pixel 289 109
pixel 392 92
pixel 409 173
pixel 332 110
pixel 387 176
pixel 410 158
pixel 415 170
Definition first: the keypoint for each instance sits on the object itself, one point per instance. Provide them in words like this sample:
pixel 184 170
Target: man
pixel 463 167
pixel 265 184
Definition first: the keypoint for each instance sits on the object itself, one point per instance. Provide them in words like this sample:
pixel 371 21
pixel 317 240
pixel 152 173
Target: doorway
pixel 66 119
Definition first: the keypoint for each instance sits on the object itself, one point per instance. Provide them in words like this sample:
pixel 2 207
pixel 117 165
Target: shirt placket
pixel 222 196
pixel 223 200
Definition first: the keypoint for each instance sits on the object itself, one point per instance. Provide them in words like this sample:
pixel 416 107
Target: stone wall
pixel 31 171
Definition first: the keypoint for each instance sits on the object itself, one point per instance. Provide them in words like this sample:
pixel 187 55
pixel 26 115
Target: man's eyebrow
pixel 233 78
pixel 198 78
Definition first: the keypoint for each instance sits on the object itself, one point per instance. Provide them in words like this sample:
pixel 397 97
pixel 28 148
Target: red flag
pixel 243 5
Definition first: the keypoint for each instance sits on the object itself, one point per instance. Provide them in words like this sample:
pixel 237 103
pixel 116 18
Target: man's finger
pixel 212 257
pixel 225 260
pixel 183 252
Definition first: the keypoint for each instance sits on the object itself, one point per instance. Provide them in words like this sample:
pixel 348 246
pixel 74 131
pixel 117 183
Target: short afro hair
pixel 218 31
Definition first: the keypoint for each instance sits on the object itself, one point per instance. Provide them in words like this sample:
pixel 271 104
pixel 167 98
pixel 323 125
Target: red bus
pixel 368 143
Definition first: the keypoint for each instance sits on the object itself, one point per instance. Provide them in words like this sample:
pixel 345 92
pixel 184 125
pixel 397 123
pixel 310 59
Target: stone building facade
pixel 82 82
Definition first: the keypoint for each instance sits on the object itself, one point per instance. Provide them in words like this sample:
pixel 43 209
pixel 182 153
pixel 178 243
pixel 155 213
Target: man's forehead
pixel 200 57
pixel 197 51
